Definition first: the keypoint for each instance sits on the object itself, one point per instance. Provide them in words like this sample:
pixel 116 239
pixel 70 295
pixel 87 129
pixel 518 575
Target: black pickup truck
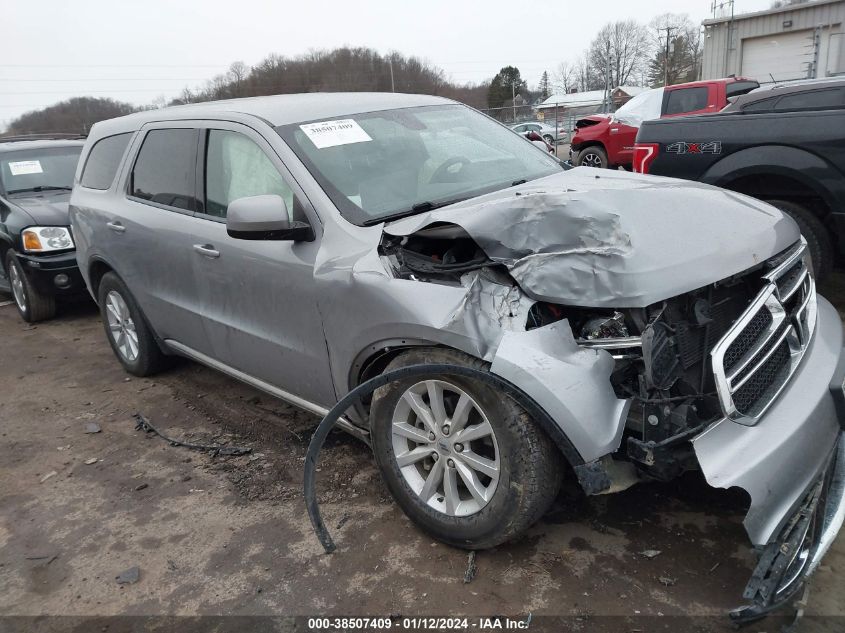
pixel 782 143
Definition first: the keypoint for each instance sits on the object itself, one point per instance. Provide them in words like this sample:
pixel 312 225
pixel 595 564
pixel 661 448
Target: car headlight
pixel 43 239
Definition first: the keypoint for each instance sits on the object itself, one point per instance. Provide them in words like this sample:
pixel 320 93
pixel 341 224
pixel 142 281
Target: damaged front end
pixel 723 378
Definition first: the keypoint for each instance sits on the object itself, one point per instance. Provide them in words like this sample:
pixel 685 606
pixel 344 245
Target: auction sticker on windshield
pixel 333 133
pixel 24 167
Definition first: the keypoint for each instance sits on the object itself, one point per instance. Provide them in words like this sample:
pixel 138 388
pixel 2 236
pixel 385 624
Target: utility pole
pixel 607 86
pixel 390 63
pixel 513 99
pixel 668 30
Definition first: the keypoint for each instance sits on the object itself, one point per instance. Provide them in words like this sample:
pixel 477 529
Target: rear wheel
pixel 593 156
pixel 32 304
pixel 817 236
pixel 549 139
pixel 462 460
pixel 126 329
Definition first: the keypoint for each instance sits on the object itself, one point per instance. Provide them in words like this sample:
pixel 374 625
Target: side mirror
pixel 265 218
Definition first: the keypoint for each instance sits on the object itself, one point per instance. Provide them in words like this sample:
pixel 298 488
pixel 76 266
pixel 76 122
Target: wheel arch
pixel 773 171
pixel 372 361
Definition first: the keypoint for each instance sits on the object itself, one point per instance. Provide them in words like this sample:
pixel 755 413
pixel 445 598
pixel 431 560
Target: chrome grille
pixel 754 360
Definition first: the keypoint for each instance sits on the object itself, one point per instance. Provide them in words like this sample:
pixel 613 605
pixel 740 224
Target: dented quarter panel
pixel 776 460
pixel 615 239
pixel 570 382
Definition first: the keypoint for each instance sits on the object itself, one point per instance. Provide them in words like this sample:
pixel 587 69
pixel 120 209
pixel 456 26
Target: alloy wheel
pixel 121 326
pixel 16 281
pixel 591 160
pixel 445 448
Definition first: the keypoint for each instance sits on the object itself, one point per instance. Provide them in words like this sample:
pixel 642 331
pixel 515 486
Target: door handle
pixel 116 226
pixel 207 250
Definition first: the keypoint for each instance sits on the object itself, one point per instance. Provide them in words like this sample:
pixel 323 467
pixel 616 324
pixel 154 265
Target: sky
pixel 52 50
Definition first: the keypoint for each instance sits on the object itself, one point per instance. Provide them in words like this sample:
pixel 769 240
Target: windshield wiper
pixel 40 188
pixel 419 207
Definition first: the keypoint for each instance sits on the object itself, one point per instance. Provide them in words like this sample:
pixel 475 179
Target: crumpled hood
pixel 614 239
pixel 48 209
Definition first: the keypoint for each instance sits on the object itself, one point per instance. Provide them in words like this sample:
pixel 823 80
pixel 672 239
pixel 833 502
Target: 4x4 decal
pixel 682 147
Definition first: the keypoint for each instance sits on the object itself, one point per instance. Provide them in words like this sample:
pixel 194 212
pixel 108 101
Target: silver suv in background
pixel 305 243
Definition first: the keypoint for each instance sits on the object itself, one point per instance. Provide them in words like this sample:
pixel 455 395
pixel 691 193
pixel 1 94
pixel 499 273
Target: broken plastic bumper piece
pixel 785 564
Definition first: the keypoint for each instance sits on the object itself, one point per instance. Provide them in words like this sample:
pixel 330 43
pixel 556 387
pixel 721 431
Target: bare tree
pixel 238 72
pixel 565 78
pixel 619 52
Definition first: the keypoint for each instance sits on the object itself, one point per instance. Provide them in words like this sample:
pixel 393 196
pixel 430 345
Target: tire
pixel 549 139
pixel 817 236
pixel 32 304
pixel 140 354
pixel 593 156
pixel 529 464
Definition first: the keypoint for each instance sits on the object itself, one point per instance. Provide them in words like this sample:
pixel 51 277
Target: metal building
pixel 792 42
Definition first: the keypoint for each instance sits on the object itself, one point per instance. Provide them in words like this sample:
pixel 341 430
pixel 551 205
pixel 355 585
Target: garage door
pixel 782 56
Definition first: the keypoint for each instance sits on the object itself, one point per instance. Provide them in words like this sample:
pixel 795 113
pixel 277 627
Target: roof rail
pixel 43 137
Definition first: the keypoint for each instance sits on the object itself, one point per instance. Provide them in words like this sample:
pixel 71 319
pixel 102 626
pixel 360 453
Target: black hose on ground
pixel 414 371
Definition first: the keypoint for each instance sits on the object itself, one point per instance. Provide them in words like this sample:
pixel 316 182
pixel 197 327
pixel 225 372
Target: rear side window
pixel 165 171
pixel 812 100
pixel 103 161
pixel 764 105
pixel 686 100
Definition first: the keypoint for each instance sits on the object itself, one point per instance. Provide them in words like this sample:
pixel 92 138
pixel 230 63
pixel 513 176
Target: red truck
pixel 603 140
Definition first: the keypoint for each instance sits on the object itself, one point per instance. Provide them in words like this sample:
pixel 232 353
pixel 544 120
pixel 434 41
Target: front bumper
pixel 791 464
pixel 53 274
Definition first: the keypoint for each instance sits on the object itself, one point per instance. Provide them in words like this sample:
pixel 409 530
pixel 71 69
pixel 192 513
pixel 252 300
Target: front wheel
pixel 549 139
pixel 463 461
pixel 592 157
pixel 126 329
pixel 32 304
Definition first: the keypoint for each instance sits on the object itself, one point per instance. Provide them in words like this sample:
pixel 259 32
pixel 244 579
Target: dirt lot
pixel 229 535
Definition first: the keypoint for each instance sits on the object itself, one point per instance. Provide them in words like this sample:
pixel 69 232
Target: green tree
pixel 507 82
pixel 544 85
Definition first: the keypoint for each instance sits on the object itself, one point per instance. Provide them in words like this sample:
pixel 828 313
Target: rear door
pixel 258 298
pixel 152 232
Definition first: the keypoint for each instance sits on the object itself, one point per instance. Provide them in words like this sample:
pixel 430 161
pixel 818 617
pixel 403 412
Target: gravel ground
pixel 230 536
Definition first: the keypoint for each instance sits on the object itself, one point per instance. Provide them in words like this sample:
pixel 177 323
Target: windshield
pixel 39 169
pixel 644 107
pixel 381 165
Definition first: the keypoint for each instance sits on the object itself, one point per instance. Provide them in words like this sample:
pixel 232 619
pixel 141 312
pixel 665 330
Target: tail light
pixel 644 155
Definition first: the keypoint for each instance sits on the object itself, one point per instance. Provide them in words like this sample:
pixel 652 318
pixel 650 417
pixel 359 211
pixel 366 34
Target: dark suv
pixel 36 244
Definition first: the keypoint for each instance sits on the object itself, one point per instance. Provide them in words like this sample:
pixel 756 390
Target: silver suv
pixel 306 243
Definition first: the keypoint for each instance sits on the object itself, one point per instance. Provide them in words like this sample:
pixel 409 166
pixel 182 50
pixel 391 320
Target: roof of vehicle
pixel 39 141
pixel 277 109
pixel 707 82
pixel 775 89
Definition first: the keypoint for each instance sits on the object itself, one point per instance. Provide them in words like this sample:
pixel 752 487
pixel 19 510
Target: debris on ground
pixel 666 581
pixel 52 473
pixel 91 460
pixel 140 487
pixel 472 568
pixel 651 553
pixel 342 521
pixel 143 424
pixel 130 576
pixel 92 427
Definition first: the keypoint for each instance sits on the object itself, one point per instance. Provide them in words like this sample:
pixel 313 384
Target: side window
pixel 686 100
pixel 519 128
pixel 235 167
pixel 812 100
pixel 764 105
pixel 103 160
pixel 165 171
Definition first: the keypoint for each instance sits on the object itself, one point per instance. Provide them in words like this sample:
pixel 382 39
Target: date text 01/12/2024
pixel 419 624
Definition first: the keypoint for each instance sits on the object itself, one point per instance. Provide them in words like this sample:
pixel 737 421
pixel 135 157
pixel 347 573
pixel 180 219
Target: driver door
pixel 258 298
